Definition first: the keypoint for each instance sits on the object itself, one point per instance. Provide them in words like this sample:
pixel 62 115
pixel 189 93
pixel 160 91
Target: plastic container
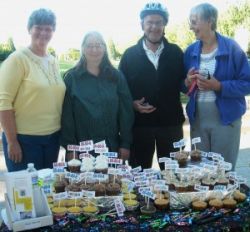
pixel 39 207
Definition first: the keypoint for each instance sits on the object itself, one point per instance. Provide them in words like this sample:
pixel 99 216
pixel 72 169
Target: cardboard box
pixel 32 223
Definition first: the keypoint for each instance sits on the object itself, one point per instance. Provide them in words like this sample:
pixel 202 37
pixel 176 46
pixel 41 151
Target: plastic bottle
pixel 39 209
pixel 34 175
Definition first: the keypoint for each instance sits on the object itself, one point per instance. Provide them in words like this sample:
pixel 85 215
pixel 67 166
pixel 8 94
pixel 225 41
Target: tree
pixel 6 49
pixel 52 51
pixel 115 54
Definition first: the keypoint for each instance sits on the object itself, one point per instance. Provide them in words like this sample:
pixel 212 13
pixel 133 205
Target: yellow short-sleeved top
pixel 33 88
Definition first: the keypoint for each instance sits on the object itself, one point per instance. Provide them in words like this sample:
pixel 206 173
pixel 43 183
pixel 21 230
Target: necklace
pixel 49 73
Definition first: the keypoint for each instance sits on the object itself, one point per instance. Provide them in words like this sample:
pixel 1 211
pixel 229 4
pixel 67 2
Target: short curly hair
pixel 42 17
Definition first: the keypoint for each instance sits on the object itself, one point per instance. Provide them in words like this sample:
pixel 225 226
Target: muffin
pixel 130 196
pixel 238 196
pixel 90 210
pixel 199 205
pixel 59 211
pixel 87 165
pixel 161 203
pixel 182 158
pixel 73 187
pixel 113 189
pixel 195 155
pixel 229 203
pixel 148 209
pixel 99 189
pixel 216 203
pixel 131 205
pixel 74 165
pixel 74 210
pixel 73 202
pixel 59 186
pixel 159 195
pixel 209 183
pixel 101 164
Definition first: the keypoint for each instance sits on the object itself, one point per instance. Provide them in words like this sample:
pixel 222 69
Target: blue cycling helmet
pixel 154 8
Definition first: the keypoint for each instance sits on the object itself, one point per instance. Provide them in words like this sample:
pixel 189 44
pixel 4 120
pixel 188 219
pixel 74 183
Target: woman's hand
pixel 143 107
pixel 191 77
pixel 124 153
pixel 15 151
pixel 206 85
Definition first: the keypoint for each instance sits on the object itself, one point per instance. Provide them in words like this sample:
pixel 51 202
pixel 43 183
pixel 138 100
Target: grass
pixel 65 65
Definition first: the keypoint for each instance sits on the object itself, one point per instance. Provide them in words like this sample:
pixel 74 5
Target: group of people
pixel 135 109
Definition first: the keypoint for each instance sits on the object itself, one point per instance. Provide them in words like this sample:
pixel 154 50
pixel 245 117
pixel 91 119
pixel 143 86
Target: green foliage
pixel 114 53
pixel 237 15
pixel 72 54
pixel 52 51
pixel 6 49
pixel 65 66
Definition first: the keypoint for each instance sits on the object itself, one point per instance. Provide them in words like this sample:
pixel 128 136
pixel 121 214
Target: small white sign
pixel 159 187
pixel 119 207
pixel 148 188
pixel 73 176
pixel 59 165
pixel 84 155
pixel 142 183
pixel 137 169
pixel 74 195
pixel 196 140
pixel 73 148
pixel 111 154
pixel 148 194
pixel 88 194
pixel 220 187
pixel 201 188
pixel 164 159
pixel 114 161
pixel 60 196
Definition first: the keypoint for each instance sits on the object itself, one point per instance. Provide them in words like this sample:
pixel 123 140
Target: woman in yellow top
pixel 31 97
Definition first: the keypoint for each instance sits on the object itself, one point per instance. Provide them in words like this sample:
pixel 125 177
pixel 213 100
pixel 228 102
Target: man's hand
pixel 143 107
pixel 206 85
pixel 124 153
pixel 15 151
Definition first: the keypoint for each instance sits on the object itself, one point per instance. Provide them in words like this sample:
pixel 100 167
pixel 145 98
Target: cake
pixel 199 205
pixel 229 203
pixel 131 205
pixel 216 203
pixel 59 211
pixel 87 165
pixel 74 210
pixel 99 189
pixel 90 210
pixel 182 158
pixel 131 196
pixel 59 186
pixel 238 196
pixel 148 209
pixel 74 165
pixel 161 203
pixel 195 155
pixel 113 189
pixel 73 187
pixel 222 181
pixel 101 164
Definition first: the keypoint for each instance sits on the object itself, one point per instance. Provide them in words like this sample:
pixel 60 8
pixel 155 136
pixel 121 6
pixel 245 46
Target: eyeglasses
pixel 98 46
pixel 156 24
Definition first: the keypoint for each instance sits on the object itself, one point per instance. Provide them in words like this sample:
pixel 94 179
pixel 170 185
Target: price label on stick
pixel 111 154
pixel 84 155
pixel 88 194
pixel 74 195
pixel 148 194
pixel 220 187
pixel 164 159
pixel 60 196
pixel 59 165
pixel 114 161
pixel 119 207
pixel 159 187
pixel 201 188
pixel 73 148
pixel 196 140
pixel 148 188
pixel 137 169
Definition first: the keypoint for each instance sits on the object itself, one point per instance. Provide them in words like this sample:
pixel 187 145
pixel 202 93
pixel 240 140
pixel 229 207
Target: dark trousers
pixel 41 150
pixel 146 139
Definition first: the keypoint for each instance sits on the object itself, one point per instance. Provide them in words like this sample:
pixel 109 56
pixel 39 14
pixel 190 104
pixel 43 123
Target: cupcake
pixel 238 196
pixel 59 186
pixel 74 210
pixel 131 196
pixel 159 195
pixel 161 203
pixel 182 158
pixel 148 209
pixel 90 210
pixel 59 211
pixel 195 155
pixel 101 164
pixel 113 189
pixel 73 202
pixel 229 203
pixel 74 165
pixel 209 183
pixel 73 187
pixel 199 205
pixel 131 205
pixel 216 203
pixel 87 165
pixel 99 189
